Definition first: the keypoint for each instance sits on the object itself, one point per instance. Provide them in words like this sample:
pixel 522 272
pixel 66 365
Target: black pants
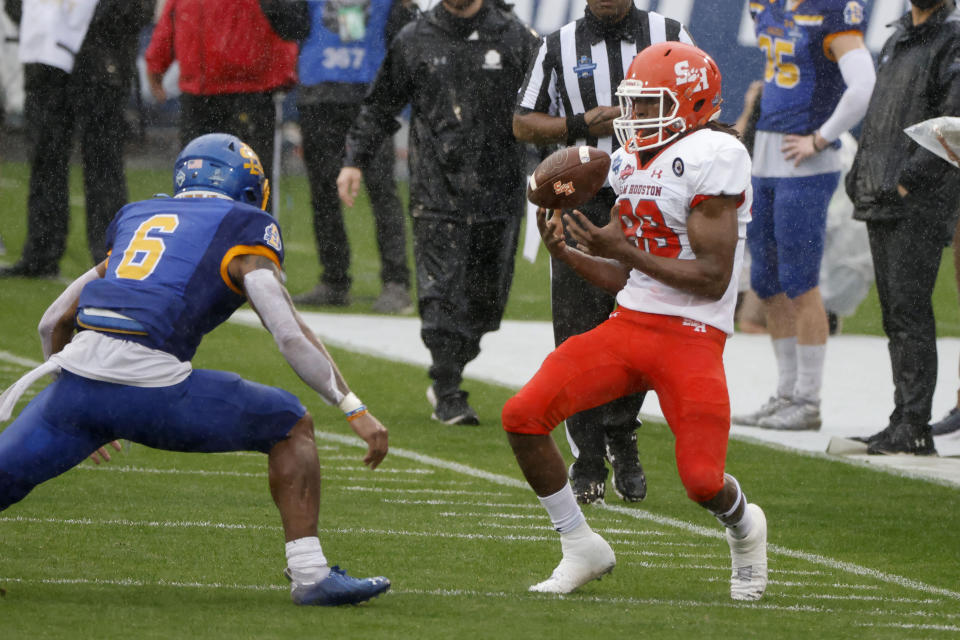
pixel 578 306
pixel 324 128
pixel 906 258
pixel 464 273
pixel 56 104
pixel 249 116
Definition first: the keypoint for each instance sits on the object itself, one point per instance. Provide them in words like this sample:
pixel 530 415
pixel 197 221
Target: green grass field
pixel 162 545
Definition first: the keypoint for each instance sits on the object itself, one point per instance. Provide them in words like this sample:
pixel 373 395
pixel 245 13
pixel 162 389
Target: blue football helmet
pixel 221 163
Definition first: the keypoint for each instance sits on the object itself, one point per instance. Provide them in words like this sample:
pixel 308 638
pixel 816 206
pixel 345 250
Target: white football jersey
pixel 655 202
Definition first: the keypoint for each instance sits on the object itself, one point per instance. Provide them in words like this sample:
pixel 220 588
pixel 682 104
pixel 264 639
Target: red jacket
pixel 223 46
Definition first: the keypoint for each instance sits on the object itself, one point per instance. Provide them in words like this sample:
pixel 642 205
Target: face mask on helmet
pixel 219 163
pixel 669 88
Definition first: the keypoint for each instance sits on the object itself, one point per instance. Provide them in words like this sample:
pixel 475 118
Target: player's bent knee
pixel 702 482
pixel 517 417
pixel 12 490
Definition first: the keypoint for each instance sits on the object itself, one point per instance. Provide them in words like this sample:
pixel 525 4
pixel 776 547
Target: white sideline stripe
pixel 378 470
pixel 120 522
pixel 15 359
pixel 451 492
pixel 810 585
pixel 514 516
pixel 614 600
pixel 134 582
pixel 189 472
pixel 466 504
pixel 455 483
pixel 456 467
pixel 904 625
pixel 664 520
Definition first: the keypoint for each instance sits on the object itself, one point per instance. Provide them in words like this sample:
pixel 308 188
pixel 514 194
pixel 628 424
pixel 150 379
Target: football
pixel 568 177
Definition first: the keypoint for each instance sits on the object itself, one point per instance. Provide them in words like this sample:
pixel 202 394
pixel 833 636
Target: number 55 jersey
pixel 166 284
pixel 654 202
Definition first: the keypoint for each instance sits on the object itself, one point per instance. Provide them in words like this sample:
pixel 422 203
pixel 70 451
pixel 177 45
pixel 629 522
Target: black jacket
pixel 461 79
pixel 108 53
pixel 918 78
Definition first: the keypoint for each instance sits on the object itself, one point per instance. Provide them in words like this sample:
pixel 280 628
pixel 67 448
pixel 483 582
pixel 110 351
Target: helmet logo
pixel 253 162
pixel 686 75
pixel 180 178
pixel 216 178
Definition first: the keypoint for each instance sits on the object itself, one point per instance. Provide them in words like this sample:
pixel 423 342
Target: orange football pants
pixel 681 360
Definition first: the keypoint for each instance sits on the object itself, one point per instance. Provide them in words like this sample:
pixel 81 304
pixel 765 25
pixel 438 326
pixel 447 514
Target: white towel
pixel 8 399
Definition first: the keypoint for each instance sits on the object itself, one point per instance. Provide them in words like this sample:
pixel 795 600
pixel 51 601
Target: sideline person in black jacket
pixel 908 198
pixel 88 99
pixel 459 68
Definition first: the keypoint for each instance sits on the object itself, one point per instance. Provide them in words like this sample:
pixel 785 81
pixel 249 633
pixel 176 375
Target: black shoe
pixel 323 295
pixel 949 424
pixel 452 408
pixel 875 437
pixel 629 481
pixel 23 270
pixel 588 479
pixel 908 438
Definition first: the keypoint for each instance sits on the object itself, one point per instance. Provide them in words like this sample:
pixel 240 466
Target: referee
pixel 568 98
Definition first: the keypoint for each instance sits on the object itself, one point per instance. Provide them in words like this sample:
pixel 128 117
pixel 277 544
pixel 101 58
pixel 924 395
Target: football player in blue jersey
pixel 817 84
pixel 177 268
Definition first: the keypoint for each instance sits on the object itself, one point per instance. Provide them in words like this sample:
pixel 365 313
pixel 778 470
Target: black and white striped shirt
pixel 581 65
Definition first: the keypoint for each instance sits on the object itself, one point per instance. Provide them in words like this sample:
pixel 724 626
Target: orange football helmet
pixel 682 79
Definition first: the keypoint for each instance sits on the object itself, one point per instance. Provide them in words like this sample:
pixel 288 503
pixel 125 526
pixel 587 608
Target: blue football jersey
pixel 167 271
pixel 802 82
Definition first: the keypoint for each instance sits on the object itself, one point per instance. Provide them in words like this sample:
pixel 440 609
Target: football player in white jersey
pixel 671 253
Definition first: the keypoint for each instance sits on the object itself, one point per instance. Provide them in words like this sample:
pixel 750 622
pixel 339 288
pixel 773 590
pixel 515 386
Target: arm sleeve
pixel 59 307
pixel 159 53
pixel 391 91
pixel 859 75
pixel 266 293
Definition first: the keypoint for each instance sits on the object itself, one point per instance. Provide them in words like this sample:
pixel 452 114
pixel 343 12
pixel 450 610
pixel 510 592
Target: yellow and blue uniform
pixel 167 269
pixel 166 286
pixel 802 87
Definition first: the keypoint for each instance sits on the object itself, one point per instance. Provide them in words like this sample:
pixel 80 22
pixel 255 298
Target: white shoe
pixel 798 415
pixel 586 557
pixel 771 406
pixel 748 580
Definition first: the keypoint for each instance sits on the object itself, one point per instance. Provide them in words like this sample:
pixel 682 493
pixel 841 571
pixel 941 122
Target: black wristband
pixel 576 128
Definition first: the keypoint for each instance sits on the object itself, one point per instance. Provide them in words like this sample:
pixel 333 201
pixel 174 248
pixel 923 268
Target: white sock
pixel 306 561
pixel 810 359
pixel 741 529
pixel 564 512
pixel 785 350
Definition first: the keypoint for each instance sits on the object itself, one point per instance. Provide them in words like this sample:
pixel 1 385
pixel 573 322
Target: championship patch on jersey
pixel 271 235
pixel 678 167
pixel 853 13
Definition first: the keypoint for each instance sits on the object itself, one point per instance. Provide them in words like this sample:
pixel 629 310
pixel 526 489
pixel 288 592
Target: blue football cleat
pixel 337 588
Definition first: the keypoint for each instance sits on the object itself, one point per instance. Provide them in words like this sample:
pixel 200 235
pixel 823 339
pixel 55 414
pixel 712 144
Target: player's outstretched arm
pixel 606 274
pixel 259 278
